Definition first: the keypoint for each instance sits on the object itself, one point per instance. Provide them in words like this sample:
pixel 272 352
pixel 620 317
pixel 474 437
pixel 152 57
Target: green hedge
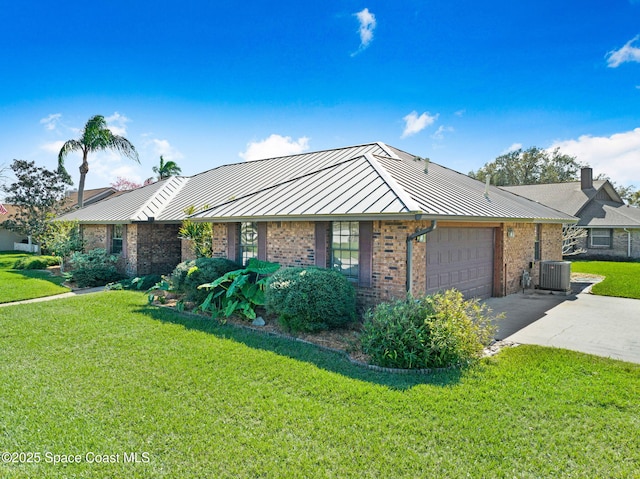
pixel 310 299
pixel 431 332
pixel 36 262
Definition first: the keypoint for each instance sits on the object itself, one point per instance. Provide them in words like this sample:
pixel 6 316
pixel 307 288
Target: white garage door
pixel 460 258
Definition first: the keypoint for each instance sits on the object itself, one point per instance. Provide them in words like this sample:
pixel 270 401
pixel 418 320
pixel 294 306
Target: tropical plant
pixel 95 136
pixel 239 291
pixel 199 233
pixel 166 169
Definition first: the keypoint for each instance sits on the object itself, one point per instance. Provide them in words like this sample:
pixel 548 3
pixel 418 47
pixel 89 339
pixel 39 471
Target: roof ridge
pixel 179 185
pixel 399 191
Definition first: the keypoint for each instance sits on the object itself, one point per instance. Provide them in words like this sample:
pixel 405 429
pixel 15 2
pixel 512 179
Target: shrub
pixel 94 268
pixel 36 262
pixel 431 332
pixel 310 299
pixel 188 275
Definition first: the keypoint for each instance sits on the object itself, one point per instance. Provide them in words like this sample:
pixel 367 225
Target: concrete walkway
pixel 70 294
pixel 600 325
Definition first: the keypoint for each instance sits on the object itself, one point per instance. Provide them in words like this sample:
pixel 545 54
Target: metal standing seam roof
pixel 365 180
pixel 567 197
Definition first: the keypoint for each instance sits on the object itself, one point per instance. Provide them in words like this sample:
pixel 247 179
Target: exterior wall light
pixel 511 233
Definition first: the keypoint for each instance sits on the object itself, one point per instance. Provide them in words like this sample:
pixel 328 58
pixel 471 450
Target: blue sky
pixel 208 83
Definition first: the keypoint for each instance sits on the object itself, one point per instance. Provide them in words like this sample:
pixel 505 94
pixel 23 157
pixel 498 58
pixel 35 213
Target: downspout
pixel 628 242
pixel 410 238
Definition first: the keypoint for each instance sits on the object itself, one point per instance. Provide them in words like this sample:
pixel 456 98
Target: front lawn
pixel 16 285
pixel 105 374
pixel 621 279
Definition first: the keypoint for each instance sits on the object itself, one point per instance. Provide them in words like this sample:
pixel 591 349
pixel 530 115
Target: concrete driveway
pixel 584 322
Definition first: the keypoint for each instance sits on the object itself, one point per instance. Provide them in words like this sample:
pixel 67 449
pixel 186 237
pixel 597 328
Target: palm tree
pixel 165 170
pixel 95 137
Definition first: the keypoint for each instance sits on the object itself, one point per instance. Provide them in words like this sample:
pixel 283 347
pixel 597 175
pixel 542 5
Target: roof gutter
pixel 410 238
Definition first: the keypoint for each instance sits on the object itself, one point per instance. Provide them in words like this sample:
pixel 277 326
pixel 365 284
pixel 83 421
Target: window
pixel 345 241
pixel 536 246
pixel 600 238
pixel 248 242
pixel 117 232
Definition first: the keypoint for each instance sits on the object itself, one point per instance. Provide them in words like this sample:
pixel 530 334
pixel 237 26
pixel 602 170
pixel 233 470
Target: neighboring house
pixel 613 228
pixel 386 219
pixel 9 238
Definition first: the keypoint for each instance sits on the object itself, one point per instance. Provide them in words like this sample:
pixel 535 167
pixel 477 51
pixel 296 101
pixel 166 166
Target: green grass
pixel 16 285
pixel 108 374
pixel 621 279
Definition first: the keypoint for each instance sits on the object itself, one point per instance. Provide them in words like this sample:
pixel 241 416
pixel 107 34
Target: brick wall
pixel 519 251
pixel 291 243
pixel 188 250
pixel 94 236
pixel 219 240
pixel 158 248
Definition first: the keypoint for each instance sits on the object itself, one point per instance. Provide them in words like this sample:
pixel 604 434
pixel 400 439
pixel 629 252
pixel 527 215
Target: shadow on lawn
pixel 328 360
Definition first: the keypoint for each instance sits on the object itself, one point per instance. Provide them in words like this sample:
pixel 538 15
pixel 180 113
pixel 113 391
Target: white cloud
pixel 163 148
pixel 440 132
pixel 51 122
pixel 367 22
pixel 513 147
pixel 628 53
pixel 53 147
pixel 415 123
pixel 460 113
pixel 275 146
pixel 117 123
pixel 615 156
pixel 109 165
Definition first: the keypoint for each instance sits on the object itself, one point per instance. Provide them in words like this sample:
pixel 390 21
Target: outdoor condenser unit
pixel 555 275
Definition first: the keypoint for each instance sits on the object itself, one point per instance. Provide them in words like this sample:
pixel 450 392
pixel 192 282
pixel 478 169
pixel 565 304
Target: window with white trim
pixel 600 238
pixel 345 240
pixel 117 233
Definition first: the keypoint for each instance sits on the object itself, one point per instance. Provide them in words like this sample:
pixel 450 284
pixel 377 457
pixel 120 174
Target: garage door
pixel 460 258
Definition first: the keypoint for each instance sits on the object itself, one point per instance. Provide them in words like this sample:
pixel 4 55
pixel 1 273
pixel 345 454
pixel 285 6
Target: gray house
pixel 613 227
pixel 386 219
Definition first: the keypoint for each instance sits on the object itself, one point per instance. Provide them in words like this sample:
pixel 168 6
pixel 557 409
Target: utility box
pixel 555 275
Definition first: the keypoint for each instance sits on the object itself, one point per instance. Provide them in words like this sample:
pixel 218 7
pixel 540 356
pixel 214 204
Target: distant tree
pixel 571 240
pixel 634 199
pixel 94 137
pixel 530 167
pixel 124 184
pixel 38 195
pixel 166 169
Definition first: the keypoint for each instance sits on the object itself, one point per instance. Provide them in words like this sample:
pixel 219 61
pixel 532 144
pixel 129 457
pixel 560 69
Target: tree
pixel 38 195
pixel 94 137
pixel 124 184
pixel 571 240
pixel 529 167
pixel 166 169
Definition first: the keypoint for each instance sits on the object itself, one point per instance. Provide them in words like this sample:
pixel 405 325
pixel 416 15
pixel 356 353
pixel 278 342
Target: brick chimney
pixel 586 178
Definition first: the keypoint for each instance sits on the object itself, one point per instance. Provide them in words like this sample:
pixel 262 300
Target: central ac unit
pixel 555 275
